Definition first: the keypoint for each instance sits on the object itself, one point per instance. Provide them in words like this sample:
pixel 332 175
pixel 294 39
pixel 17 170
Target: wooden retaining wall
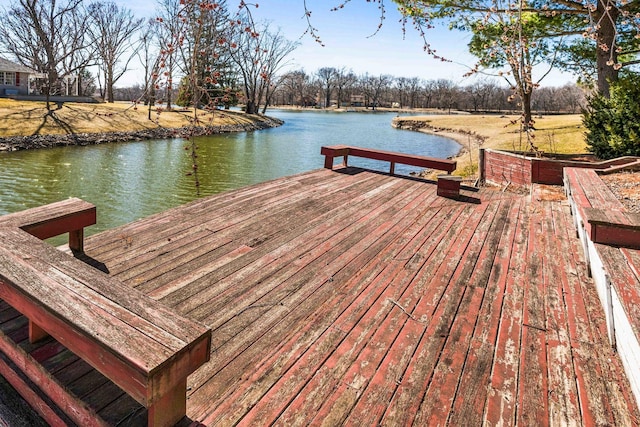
pixel 507 167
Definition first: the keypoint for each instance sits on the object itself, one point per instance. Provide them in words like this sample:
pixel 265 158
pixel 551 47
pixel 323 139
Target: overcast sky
pixel 348 40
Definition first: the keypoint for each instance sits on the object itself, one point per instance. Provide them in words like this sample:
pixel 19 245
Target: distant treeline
pixel 332 87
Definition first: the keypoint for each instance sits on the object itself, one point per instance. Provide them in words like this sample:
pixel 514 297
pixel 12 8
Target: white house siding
pixel 14 78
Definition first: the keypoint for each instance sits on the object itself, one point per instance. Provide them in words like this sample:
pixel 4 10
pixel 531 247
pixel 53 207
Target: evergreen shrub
pixel 613 124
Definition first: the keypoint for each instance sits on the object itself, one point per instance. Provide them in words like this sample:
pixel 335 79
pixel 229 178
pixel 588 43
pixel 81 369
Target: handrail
pixel 345 151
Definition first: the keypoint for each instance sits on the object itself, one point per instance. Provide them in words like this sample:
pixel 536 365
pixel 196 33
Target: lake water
pixel 128 181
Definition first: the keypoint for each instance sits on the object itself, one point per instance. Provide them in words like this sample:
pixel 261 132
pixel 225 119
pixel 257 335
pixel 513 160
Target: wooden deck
pixel 361 298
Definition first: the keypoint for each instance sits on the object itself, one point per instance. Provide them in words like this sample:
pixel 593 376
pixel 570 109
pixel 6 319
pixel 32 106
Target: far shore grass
pixel 25 118
pixel 554 134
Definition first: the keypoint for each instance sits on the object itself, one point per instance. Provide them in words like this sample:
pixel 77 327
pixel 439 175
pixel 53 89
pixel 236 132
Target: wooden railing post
pixel 481 166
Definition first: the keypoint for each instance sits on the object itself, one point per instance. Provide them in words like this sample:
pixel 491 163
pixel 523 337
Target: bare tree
pixel 296 85
pixel 111 31
pixel 445 94
pixel 170 34
pixel 258 56
pixel 205 59
pixel 327 78
pixel 374 87
pixel 149 56
pixel 277 49
pixel 408 89
pixel 49 37
pixel 479 94
pixel 344 81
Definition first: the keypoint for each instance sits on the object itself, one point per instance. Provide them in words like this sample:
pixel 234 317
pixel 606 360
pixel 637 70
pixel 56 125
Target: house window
pixel 7 78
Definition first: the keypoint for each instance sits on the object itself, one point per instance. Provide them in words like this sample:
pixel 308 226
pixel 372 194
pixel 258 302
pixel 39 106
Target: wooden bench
pixel 142 346
pixel 610 237
pixel 603 217
pixel 67 216
pixel 345 151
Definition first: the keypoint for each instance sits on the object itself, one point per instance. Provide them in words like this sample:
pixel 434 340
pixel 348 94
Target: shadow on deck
pixel 357 297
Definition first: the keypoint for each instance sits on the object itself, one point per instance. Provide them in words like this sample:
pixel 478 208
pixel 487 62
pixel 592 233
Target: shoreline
pixel 38 141
pixel 469 141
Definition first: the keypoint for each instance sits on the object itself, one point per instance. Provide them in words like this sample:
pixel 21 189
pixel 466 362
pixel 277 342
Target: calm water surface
pixel 128 181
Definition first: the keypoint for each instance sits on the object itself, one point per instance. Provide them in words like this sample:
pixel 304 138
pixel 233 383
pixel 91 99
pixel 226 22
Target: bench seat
pixel 145 348
pixel 603 217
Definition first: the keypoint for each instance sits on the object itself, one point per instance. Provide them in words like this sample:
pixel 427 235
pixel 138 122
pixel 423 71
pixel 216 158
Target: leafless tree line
pixel 199 47
pixel 340 87
pixel 61 40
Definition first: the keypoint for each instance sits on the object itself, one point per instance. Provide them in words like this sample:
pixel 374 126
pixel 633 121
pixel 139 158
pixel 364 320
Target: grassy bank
pixel 24 118
pixel 560 134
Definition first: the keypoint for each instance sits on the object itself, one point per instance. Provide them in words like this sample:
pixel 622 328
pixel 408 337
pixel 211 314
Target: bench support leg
pixel 170 408
pixel 36 333
pixel 328 162
pixel 76 240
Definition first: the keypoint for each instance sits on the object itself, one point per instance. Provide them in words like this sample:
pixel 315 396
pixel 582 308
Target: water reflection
pixel 128 181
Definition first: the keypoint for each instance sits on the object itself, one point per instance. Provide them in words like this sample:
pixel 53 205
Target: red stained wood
pixel 69 404
pixel 563 405
pixel 360 298
pixel 469 406
pixel 70 215
pixel 30 395
pixel 36 333
pixel 386 156
pixel 533 403
pixel 580 297
pixel 613 227
pixel 137 343
pixel 504 167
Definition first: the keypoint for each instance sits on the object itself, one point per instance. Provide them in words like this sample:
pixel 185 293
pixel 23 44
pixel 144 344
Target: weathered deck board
pixel 356 297
pixel 563 405
pixel 584 339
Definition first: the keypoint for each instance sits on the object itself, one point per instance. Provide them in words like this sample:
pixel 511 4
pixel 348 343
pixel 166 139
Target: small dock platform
pixel 360 298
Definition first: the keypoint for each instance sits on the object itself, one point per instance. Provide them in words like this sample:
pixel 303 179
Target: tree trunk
pixel 606 58
pixel 251 107
pixel 527 118
pixel 109 88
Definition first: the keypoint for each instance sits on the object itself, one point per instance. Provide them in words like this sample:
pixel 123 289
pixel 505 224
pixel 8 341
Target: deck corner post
pixel 392 168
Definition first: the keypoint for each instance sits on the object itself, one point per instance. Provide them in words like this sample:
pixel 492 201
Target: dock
pixel 354 297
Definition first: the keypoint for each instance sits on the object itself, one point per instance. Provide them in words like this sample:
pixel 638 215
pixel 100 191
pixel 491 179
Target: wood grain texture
pixel 354 297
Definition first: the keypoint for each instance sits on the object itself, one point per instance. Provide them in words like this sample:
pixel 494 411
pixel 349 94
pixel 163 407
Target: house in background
pixel 14 78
